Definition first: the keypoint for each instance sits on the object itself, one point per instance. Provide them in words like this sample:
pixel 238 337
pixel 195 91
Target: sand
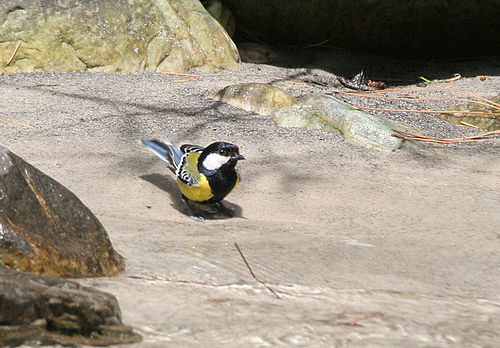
pixel 363 248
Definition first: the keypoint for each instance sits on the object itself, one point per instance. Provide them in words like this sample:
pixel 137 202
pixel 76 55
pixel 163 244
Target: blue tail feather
pixel 163 150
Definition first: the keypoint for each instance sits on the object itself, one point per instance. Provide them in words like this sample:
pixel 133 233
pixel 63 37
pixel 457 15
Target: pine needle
pixel 14 54
pixel 472 139
pixel 417 98
pixel 489 114
pixel 177 81
pixel 489 102
pixel 253 274
pixel 17 123
pixel 181 74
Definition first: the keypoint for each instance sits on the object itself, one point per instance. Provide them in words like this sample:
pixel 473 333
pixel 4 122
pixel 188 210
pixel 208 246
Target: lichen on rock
pixel 328 113
pixel 112 36
pixel 476 114
pixel 261 98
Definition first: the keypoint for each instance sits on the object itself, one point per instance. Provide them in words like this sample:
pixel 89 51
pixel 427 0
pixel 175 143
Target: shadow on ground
pixel 208 211
pixel 395 71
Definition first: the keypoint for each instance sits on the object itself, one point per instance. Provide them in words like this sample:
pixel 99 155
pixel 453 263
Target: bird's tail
pixel 166 151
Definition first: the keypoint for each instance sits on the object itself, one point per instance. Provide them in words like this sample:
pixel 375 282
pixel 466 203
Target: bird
pixel 204 175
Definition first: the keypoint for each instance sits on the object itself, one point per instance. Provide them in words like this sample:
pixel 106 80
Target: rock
pixel 261 98
pixel 328 113
pixel 36 308
pixel 483 121
pixel 222 14
pixel 112 36
pixel 398 28
pixel 254 52
pixel 45 228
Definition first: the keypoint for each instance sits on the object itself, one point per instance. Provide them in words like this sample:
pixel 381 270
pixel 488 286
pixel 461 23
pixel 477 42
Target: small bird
pixel 204 175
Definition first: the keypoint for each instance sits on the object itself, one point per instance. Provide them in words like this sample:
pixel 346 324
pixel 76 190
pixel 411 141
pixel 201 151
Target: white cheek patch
pixel 215 161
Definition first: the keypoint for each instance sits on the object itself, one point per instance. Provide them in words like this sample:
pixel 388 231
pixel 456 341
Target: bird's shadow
pixel 208 211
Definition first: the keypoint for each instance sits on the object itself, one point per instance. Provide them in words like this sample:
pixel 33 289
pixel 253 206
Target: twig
pixel 321 43
pixel 399 90
pixel 357 94
pixel 14 54
pixel 489 101
pixel 177 81
pixel 181 74
pixel 472 139
pixel 441 89
pixel 46 85
pixel 18 123
pixel 253 274
pixel 440 141
pixel 430 111
pixel 462 123
pixel 454 78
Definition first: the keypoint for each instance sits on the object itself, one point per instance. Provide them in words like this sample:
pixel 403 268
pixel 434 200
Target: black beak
pixel 238 157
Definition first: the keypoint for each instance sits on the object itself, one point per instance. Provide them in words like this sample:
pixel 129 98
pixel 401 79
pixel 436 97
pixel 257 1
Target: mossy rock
pixel 261 98
pixel 112 36
pixel 483 121
pixel 328 113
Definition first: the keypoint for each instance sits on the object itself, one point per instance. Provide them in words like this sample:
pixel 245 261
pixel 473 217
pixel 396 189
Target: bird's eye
pixel 223 152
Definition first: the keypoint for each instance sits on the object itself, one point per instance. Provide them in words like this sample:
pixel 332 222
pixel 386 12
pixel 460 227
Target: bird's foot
pixel 197 218
pixel 225 210
pixel 190 209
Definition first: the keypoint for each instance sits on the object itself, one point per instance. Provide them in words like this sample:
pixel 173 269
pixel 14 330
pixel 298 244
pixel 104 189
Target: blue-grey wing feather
pixel 175 156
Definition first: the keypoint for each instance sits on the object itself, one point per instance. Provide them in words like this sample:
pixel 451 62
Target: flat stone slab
pixel 365 248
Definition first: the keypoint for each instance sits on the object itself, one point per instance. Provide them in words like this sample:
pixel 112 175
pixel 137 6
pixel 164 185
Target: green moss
pixel 328 113
pixel 117 36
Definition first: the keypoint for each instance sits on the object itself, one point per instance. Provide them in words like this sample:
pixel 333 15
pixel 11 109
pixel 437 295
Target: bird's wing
pixel 191 148
pixel 188 172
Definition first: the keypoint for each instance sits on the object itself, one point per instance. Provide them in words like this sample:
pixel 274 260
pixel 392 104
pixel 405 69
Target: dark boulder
pixel 36 308
pixel 45 228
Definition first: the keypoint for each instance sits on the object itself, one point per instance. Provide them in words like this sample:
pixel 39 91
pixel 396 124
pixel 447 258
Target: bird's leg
pixel 224 209
pixel 191 213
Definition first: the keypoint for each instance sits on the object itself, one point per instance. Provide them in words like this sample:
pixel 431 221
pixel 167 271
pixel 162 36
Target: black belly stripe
pixel 221 182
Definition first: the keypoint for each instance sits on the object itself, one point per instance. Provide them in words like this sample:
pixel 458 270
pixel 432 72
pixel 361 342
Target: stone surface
pixel 422 28
pixel 261 98
pixel 222 14
pixel 329 113
pixel 36 308
pixel 365 248
pixel 112 36
pixel 254 52
pixel 483 121
pixel 45 228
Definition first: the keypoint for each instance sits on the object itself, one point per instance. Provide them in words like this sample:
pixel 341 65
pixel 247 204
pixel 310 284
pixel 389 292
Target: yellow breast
pixel 199 192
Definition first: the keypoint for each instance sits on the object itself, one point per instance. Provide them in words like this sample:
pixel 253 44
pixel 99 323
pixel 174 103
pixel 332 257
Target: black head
pixel 219 154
